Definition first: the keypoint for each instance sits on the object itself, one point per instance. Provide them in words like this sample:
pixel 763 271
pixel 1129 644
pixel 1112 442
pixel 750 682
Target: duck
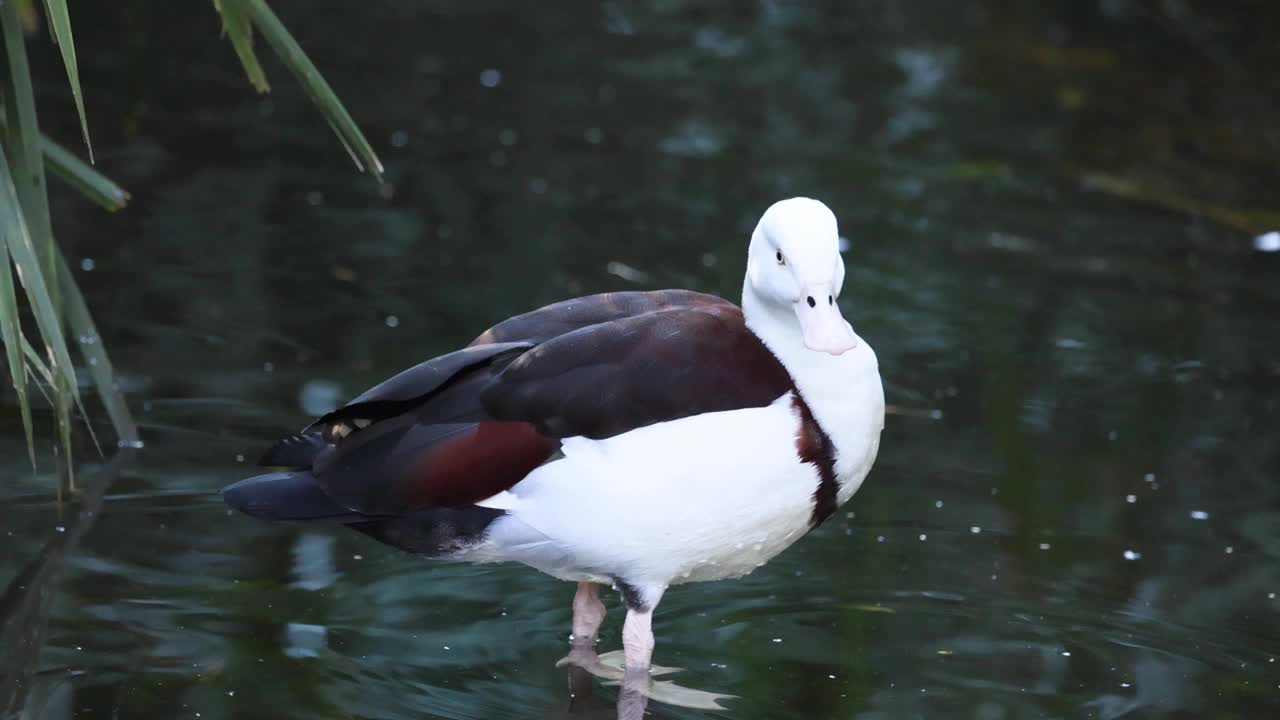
pixel 638 440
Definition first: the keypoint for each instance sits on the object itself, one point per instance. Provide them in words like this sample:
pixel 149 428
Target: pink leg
pixel 637 641
pixel 588 614
pixel 637 653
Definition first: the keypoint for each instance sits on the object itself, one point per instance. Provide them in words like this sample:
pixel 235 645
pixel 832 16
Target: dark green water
pixel 1051 210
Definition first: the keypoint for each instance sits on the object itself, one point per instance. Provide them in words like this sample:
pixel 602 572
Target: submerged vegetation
pixel 50 299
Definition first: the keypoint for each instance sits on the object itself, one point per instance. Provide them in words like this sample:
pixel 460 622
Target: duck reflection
pixel 585 666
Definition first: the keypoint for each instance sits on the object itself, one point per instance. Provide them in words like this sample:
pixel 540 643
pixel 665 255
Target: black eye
pixel 830 301
pixel 812 302
pixel 780 260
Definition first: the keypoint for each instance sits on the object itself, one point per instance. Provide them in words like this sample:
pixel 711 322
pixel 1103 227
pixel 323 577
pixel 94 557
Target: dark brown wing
pixel 566 316
pixel 611 377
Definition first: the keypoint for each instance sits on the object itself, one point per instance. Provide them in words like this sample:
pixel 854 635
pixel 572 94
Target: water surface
pixel 1051 213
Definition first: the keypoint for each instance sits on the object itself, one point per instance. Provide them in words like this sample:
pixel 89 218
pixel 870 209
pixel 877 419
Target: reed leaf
pixel 291 54
pixel 37 366
pixel 11 333
pixel 18 244
pixel 83 177
pixel 237 27
pixel 21 135
pixel 60 26
pixel 25 227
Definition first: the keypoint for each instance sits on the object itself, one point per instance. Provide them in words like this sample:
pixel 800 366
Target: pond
pixel 1057 219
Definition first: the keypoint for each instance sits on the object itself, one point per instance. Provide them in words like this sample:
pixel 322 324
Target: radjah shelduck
pixel 697 439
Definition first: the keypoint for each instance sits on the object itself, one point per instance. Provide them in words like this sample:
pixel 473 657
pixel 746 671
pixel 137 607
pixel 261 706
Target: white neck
pixel 842 391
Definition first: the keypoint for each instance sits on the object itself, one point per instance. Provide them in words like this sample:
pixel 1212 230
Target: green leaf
pixel 21 133
pixel 35 363
pixel 291 54
pixel 11 332
pixel 95 356
pixel 60 25
pixel 62 415
pixel 13 232
pixel 236 26
pixel 83 177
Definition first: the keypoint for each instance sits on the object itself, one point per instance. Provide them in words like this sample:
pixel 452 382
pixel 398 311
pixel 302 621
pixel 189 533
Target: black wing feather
pixel 409 388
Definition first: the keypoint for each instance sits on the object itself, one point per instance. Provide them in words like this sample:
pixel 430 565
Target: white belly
pixel 702 498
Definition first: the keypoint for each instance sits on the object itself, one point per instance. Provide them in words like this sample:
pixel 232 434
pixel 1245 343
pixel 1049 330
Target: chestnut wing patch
pixel 612 377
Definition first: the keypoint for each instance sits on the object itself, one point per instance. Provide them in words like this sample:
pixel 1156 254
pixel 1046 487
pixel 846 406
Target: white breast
pixel 701 498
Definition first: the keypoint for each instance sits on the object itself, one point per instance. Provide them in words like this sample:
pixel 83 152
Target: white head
pixel 794 265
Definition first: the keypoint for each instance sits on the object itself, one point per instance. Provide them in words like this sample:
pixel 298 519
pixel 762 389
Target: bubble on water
pixel 1149 477
pixel 777 640
pixel 87 264
pixel 60 528
pixel 1199 515
pixel 880 538
pixel 923 537
pixel 1131 499
pixel 1045 546
pixel 1230 549
pixel 975 529
pixel 239 457
pixel 593 135
pixel 268 367
pixel 1124 685
pixel 937 503
pixel 131 444
pixel 1132 555
pixel 315 198
pixel 399 138
pixel 1267 242
pixel 537 185
pixel 392 321
pixel 357 557
pixel 490 77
